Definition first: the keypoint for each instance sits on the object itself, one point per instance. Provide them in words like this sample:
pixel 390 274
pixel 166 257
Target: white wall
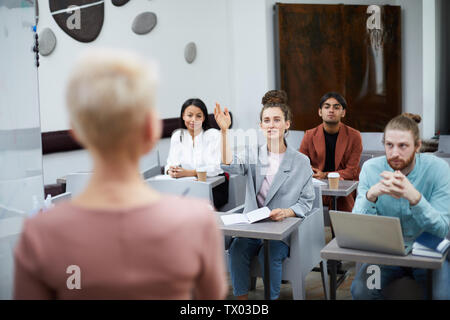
pixel 179 22
pixel 249 51
pixel 429 72
pixel 20 151
pixel 235 64
pixel 17 71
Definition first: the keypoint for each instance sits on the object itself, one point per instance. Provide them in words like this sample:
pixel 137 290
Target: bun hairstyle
pixel 413 116
pixel 275 97
pixel 278 99
pixel 405 122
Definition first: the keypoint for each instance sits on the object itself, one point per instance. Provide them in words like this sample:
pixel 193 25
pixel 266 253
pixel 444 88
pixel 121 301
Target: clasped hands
pixel 319 174
pixel 395 184
pixel 179 172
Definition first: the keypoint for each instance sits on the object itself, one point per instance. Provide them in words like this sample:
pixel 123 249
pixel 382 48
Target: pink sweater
pixel 165 250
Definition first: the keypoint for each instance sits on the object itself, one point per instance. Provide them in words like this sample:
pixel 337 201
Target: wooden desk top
pixel 333 252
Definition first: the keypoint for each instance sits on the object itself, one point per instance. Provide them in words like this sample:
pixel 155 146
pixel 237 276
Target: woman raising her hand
pixel 277 177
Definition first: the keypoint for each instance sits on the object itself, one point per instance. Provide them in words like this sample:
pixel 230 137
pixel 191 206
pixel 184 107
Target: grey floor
pixel 314 289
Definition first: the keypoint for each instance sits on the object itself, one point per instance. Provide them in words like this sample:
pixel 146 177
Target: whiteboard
pixel 21 177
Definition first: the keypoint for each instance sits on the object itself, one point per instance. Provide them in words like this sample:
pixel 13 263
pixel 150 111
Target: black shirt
pixel 330 145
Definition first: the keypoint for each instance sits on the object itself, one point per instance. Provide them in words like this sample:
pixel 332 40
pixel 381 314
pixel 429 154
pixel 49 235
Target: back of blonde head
pixel 108 96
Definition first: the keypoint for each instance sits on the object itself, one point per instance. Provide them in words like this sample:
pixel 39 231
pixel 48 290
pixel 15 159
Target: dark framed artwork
pixel 351 49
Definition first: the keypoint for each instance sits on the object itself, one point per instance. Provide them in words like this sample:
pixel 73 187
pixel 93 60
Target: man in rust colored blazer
pixel 333 146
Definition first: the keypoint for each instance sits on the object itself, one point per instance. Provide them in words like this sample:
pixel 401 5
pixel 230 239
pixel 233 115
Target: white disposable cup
pixel 333 180
pixel 201 174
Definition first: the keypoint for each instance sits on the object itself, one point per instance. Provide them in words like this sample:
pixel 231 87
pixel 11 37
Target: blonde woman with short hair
pixel 119 239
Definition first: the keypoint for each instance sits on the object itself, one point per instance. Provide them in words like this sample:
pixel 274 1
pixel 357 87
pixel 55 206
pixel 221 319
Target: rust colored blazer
pixel 346 159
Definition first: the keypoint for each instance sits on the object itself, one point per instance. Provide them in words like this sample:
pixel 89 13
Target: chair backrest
pixel 149 164
pixel 76 182
pixel 444 144
pixel 61 197
pixel 372 141
pixel 182 188
pixel 364 158
pixel 318 199
pixel 294 138
pixel 149 160
pixel 448 160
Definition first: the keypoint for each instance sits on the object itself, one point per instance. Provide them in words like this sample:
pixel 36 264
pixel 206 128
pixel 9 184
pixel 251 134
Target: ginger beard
pixel 397 163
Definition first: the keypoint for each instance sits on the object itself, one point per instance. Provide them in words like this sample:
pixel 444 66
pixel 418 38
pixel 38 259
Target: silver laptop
pixel 369 232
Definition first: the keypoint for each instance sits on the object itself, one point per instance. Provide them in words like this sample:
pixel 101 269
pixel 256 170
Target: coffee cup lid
pixel 333 175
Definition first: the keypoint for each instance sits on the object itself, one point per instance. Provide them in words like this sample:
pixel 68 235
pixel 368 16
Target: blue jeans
pixel 441 281
pixel 242 251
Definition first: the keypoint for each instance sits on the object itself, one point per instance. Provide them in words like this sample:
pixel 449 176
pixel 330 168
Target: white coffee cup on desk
pixel 201 174
pixel 333 180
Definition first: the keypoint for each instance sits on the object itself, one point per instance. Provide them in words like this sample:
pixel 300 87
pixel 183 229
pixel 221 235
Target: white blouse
pixel 203 152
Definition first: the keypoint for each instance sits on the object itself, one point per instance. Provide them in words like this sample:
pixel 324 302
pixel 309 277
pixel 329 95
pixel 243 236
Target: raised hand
pixel 223 119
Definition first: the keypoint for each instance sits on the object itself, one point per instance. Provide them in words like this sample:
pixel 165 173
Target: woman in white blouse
pixel 195 145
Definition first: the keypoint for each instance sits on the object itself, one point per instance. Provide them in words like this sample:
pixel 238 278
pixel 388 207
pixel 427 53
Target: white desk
pixel 345 188
pixel 265 230
pixel 186 186
pixel 333 253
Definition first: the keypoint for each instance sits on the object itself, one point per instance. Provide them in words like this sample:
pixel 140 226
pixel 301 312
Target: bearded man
pixel 413 187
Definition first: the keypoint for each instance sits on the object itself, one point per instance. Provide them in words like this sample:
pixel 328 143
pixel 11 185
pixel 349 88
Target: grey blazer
pixel 292 185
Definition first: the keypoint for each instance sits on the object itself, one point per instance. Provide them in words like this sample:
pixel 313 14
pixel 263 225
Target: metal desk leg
pixel 333 278
pixel 334 208
pixel 429 284
pixel 266 270
pixel 323 273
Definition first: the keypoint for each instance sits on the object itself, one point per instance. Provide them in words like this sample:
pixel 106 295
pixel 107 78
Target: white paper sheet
pixel 249 217
pixel 167 177
pixel 318 182
pixel 258 214
pixel 234 218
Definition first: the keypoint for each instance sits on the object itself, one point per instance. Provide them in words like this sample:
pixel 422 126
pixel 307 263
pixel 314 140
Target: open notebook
pixel 246 218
